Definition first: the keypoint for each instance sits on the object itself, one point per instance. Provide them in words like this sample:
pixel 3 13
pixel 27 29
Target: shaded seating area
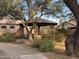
pixel 41 22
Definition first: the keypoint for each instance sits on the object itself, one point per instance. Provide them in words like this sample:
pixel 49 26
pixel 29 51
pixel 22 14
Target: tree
pixel 38 8
pixel 6 6
pixel 72 42
pixel 33 8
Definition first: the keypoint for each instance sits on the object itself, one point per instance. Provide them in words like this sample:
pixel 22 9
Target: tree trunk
pixel 72 41
pixel 20 31
pixel 30 34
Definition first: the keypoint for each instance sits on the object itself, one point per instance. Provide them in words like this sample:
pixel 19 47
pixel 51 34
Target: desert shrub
pixel 46 45
pixel 61 35
pixel 7 37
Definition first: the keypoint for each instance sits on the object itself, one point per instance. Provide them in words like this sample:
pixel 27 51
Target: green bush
pixel 46 45
pixel 7 37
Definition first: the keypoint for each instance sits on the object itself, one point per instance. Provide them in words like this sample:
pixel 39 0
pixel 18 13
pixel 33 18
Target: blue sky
pixel 66 10
pixel 77 2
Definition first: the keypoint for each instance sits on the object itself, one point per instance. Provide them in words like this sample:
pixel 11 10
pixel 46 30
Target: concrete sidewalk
pixel 17 51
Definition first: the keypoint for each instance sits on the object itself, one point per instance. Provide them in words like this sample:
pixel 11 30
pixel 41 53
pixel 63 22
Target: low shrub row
pixel 44 44
pixel 10 37
pixel 7 37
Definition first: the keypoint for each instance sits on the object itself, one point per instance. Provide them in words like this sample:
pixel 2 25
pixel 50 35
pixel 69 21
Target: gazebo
pixel 42 22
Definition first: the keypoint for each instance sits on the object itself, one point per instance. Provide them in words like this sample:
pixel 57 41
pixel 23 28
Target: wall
pixel 9 27
pixel 67 25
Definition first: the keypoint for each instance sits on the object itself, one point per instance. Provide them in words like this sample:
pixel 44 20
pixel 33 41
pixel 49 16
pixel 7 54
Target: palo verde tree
pixel 32 9
pixel 39 8
pixel 72 42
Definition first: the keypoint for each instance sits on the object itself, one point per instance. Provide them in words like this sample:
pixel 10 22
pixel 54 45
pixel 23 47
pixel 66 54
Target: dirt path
pixel 59 47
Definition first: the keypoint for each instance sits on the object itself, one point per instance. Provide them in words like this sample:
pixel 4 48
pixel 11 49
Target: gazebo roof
pixel 38 21
pixel 41 22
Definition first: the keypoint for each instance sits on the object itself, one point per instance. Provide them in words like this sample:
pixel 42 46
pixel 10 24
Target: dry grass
pixel 58 56
pixel 58 53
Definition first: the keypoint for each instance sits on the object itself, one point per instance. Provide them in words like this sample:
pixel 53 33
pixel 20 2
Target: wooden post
pixel 52 32
pixel 38 30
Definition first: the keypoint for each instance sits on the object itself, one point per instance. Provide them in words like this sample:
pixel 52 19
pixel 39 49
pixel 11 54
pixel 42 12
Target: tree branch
pixel 72 5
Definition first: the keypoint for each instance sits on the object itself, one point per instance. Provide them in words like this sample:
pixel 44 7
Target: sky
pixel 77 2
pixel 66 10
